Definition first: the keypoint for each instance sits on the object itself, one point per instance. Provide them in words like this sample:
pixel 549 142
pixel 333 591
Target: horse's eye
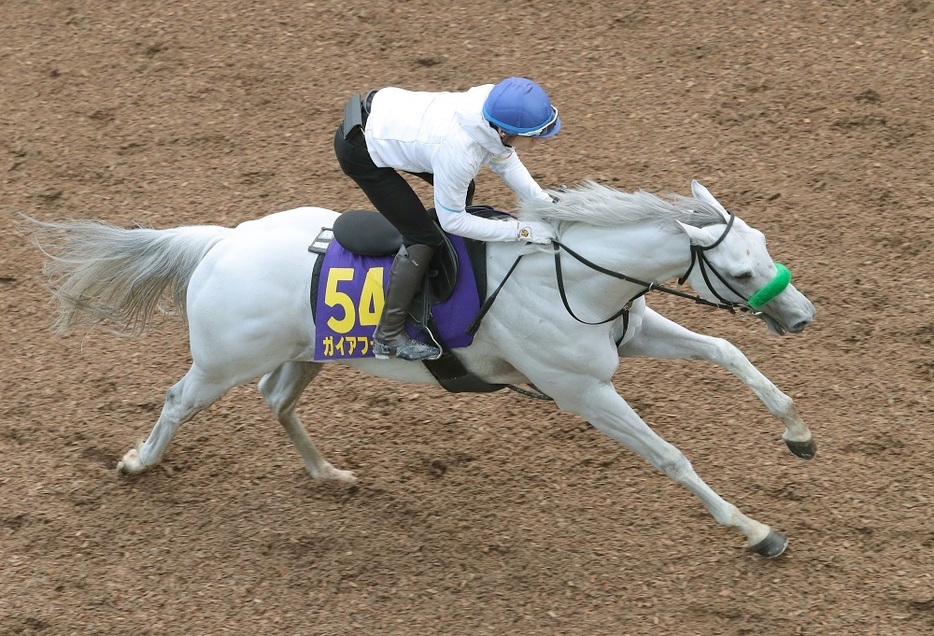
pixel 746 275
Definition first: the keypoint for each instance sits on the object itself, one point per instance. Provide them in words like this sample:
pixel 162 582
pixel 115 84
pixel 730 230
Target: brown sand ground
pixel 488 514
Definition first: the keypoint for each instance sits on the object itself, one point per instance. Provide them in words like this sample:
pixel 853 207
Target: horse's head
pixel 731 264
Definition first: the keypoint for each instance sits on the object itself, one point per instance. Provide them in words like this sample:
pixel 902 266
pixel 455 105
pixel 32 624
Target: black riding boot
pixel 405 277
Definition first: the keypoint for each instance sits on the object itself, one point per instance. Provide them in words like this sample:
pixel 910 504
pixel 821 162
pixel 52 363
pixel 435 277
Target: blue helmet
pixel 519 106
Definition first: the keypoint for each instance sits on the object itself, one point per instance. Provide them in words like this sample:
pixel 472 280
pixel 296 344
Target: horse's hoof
pixel 804 450
pixel 344 476
pixel 771 546
pixel 130 464
pixel 329 473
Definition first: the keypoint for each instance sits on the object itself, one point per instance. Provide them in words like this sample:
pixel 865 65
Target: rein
pixel 475 324
pixel 749 305
pixel 698 257
pixel 726 304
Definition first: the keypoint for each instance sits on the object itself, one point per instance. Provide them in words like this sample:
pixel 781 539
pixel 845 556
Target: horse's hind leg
pixel 281 389
pixel 183 401
pixel 660 337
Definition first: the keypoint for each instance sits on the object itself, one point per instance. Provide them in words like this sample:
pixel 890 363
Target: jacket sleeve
pixel 516 175
pixel 474 227
pixel 454 168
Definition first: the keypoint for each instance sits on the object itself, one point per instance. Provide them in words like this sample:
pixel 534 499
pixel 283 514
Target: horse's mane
pixel 600 205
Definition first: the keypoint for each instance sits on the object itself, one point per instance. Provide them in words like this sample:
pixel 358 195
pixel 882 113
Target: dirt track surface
pixel 488 514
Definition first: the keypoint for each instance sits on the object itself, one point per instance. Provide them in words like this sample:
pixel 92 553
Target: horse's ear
pixel 703 194
pixel 698 235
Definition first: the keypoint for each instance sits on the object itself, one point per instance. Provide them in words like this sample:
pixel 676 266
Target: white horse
pixel 244 292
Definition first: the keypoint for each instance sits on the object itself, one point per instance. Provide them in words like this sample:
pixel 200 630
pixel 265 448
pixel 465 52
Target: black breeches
pixel 389 192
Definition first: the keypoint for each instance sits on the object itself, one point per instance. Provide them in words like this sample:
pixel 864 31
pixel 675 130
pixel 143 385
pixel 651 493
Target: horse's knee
pixel 282 387
pixel 277 401
pixel 677 467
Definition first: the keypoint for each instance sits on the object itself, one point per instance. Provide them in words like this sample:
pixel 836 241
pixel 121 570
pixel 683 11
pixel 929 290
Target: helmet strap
pixel 505 137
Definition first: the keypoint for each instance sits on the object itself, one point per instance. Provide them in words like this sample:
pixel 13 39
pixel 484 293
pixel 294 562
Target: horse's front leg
pixel 659 337
pixel 607 411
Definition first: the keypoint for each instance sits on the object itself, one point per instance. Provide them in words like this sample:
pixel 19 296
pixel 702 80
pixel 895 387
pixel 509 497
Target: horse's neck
pixel 642 252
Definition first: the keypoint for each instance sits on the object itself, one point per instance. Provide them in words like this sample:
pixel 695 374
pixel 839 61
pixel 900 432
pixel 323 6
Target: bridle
pixel 698 258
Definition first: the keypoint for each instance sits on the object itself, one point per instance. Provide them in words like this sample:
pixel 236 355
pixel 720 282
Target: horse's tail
pixel 101 274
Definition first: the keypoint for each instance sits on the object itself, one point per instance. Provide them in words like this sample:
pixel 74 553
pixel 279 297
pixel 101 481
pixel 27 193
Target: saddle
pixel 368 233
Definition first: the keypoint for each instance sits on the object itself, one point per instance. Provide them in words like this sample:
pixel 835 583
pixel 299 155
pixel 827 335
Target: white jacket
pixel 446 135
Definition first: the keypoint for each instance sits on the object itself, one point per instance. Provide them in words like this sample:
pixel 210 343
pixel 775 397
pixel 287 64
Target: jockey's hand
pixel 534 232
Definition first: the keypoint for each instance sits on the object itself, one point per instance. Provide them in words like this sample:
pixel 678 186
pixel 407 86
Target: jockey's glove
pixel 534 232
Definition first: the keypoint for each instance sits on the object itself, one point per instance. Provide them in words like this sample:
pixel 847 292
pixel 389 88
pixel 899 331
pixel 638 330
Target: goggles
pixel 544 130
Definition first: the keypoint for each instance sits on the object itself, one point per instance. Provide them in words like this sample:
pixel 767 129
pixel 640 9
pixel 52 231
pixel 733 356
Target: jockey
pixel 443 138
